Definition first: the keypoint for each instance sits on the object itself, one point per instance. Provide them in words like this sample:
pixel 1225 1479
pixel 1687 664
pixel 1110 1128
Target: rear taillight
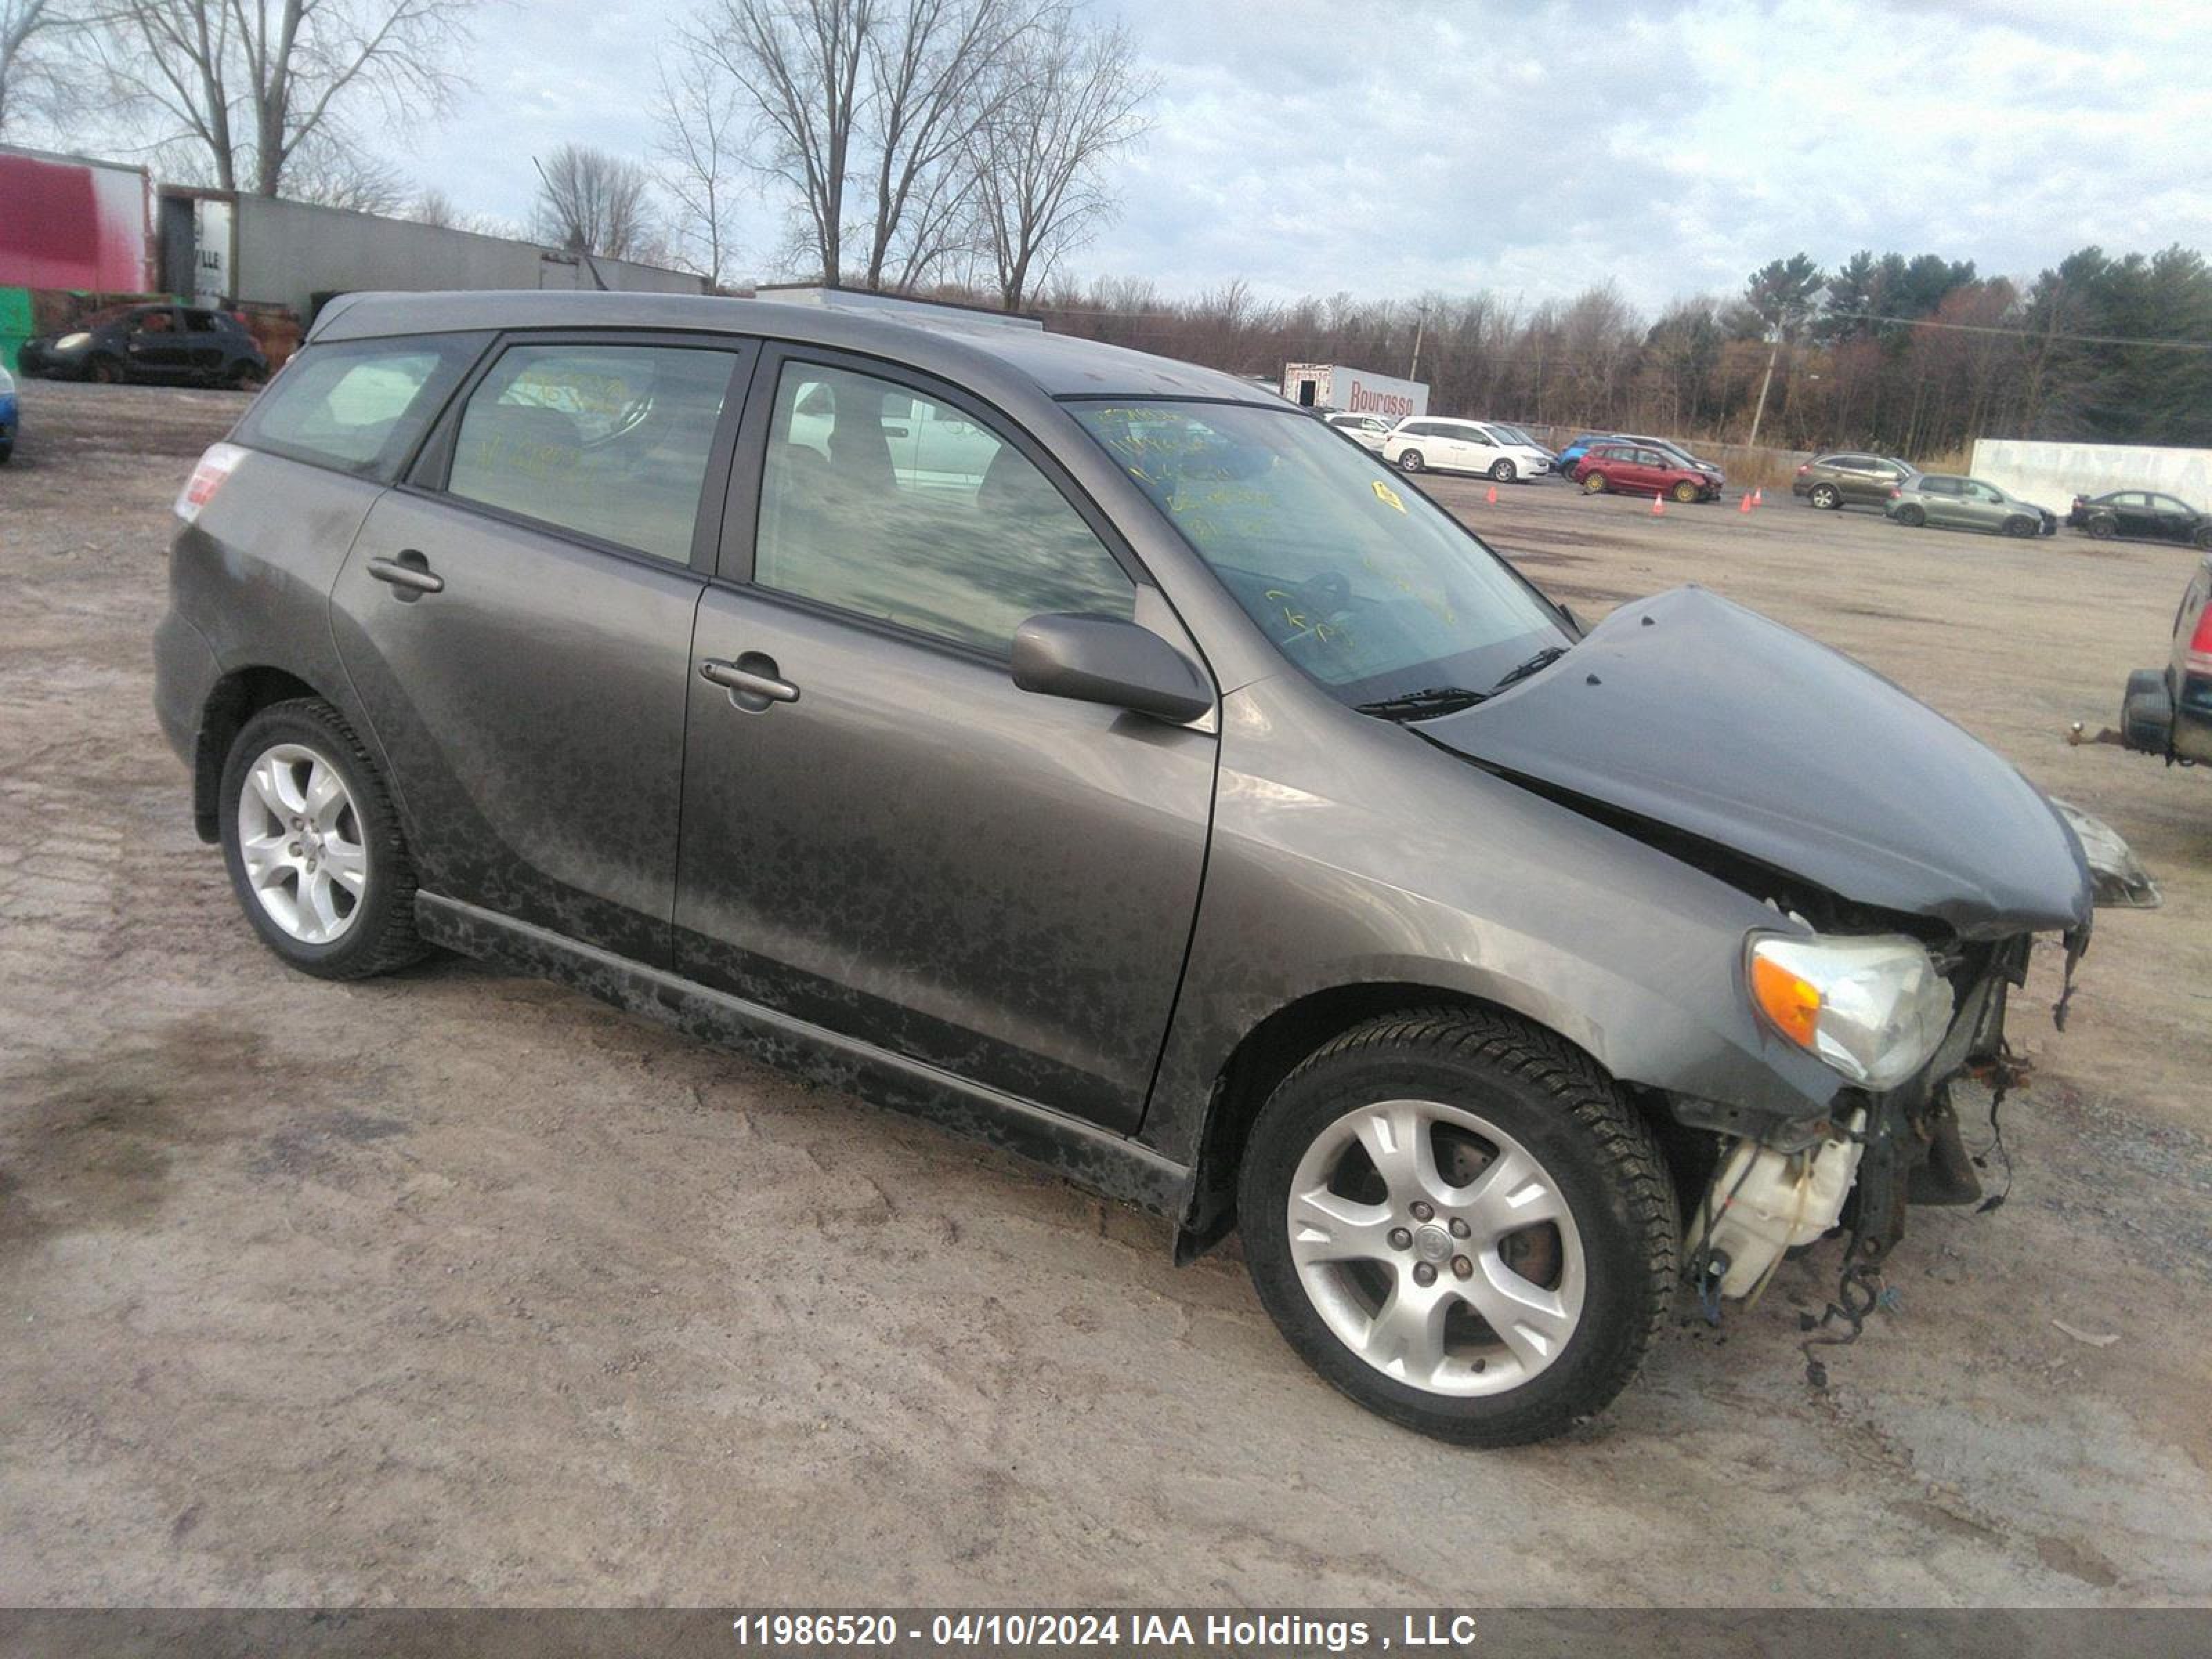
pixel 2199 659
pixel 206 477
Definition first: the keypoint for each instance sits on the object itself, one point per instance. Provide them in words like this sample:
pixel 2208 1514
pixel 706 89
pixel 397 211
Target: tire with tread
pixel 1502 471
pixel 1912 517
pixel 382 937
pixel 1564 1108
pixel 1826 497
pixel 1409 460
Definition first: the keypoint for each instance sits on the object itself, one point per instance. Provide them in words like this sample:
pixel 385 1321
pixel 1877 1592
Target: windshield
pixel 1370 588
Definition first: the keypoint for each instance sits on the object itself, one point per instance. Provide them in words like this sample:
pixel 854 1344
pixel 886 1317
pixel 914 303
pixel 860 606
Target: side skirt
pixel 1095 1158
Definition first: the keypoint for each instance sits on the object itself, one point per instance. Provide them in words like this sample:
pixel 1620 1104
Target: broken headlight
pixel 1875 1008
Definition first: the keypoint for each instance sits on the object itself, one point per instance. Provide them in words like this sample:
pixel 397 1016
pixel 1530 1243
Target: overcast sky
pixel 1533 149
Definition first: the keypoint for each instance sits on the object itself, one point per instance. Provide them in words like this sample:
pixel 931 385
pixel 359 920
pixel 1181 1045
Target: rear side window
pixel 890 505
pixel 609 441
pixel 360 406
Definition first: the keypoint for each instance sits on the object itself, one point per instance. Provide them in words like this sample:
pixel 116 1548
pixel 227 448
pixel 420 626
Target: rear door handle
pixel 410 573
pixel 761 681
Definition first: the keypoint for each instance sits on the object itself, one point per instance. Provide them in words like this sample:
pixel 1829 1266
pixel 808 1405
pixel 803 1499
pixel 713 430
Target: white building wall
pixel 2052 475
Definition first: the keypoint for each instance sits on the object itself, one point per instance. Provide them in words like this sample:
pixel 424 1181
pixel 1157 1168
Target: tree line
pixel 1914 355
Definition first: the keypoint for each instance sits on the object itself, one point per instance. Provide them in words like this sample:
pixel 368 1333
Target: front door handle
pixel 752 680
pixel 410 573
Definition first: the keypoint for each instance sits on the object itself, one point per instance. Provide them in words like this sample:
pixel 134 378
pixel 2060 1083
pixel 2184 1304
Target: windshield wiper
pixel 1424 704
pixel 1535 665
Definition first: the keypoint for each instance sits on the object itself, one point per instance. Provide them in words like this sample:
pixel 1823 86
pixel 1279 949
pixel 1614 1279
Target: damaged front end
pixel 1858 1170
pixel 1908 869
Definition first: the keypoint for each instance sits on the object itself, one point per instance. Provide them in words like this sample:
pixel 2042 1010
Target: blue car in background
pixel 7 414
pixel 1564 461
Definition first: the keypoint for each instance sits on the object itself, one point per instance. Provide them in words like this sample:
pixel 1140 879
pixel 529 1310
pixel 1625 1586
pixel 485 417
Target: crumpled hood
pixel 1690 711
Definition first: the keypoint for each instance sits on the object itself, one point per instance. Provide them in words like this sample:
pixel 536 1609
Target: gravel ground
pixel 456 1288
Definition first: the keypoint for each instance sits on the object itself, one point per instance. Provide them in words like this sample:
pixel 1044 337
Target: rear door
pixel 517 621
pixel 891 840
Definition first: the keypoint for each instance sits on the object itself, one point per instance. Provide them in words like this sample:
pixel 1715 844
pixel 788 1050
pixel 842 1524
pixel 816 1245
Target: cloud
pixel 1312 146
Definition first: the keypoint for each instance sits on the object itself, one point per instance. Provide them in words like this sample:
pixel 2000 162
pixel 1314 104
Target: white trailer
pixel 1336 389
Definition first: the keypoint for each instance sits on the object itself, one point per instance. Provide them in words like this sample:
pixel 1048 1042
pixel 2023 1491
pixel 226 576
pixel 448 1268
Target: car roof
pixel 954 342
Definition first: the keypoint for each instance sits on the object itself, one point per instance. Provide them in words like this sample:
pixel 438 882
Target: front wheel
pixel 1912 517
pixel 313 847
pixel 1686 492
pixel 1593 483
pixel 2021 527
pixel 1410 460
pixel 1459 1221
pixel 1501 471
pixel 106 370
pixel 1826 497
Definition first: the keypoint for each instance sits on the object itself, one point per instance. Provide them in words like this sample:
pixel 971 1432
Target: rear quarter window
pixel 359 406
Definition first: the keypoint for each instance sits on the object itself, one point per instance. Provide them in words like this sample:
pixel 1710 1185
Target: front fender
pixel 1346 852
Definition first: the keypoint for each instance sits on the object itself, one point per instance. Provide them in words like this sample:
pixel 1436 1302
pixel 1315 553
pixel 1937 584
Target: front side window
pixel 884 502
pixel 360 406
pixel 609 441
pixel 1373 590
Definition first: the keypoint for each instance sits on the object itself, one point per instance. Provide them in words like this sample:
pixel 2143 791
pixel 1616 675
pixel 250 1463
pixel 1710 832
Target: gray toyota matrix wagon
pixel 1098 755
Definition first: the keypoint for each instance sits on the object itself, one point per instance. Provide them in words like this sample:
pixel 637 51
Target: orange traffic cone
pixel 1745 507
pixel 1658 504
pixel 1491 497
pixel 1758 498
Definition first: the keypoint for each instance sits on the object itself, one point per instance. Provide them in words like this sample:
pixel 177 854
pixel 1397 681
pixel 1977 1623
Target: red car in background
pixel 1635 469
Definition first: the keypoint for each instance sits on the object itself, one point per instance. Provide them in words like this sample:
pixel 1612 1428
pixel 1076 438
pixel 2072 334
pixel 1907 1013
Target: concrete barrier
pixel 2051 475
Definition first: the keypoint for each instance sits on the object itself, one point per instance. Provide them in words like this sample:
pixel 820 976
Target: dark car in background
pixel 2140 513
pixel 150 343
pixel 1642 469
pixel 2167 712
pixel 1850 479
pixel 1098 755
pixel 1954 502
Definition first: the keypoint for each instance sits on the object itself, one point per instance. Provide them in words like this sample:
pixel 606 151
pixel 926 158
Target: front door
pixel 156 344
pixel 517 622
pixel 882 833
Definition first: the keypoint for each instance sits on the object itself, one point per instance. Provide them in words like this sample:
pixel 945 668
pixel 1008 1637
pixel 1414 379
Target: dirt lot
pixel 458 1288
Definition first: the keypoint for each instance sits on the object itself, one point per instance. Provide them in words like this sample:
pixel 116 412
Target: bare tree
pixel 932 90
pixel 254 81
pixel 697 147
pixel 591 201
pixel 798 65
pixel 36 81
pixel 1073 95
pixel 330 170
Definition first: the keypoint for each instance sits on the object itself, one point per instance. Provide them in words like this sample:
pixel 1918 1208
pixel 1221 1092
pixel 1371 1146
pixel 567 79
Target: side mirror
pixel 1106 660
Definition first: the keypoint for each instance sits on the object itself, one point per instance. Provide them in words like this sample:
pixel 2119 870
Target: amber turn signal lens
pixel 1792 1003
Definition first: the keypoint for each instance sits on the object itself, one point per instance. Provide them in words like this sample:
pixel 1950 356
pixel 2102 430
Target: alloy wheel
pixel 1436 1247
pixel 299 836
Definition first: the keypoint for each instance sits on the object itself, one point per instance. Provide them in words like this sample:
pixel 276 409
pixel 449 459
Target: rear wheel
pixel 1913 516
pixel 1459 1221
pixel 1502 471
pixel 2102 529
pixel 313 847
pixel 1410 460
pixel 1686 492
pixel 1826 497
pixel 1593 483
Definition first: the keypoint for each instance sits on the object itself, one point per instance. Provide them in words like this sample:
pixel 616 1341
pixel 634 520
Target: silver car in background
pixel 1959 503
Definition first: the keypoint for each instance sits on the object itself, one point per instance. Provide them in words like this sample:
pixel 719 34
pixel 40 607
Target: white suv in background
pixel 1427 444
pixel 1368 431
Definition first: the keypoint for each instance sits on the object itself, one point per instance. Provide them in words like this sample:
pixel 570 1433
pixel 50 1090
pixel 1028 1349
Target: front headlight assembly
pixel 1875 1007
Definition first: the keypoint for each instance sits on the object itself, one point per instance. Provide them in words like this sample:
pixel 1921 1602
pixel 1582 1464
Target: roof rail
pixel 859 300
